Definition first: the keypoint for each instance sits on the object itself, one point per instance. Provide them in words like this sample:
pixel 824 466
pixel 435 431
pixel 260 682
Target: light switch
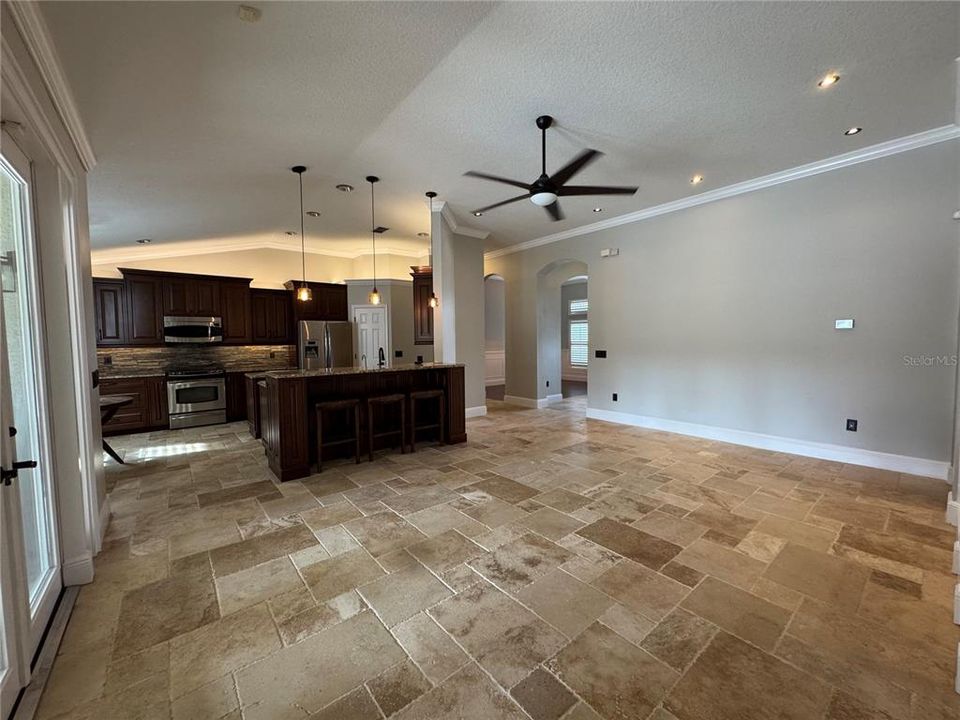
pixel 846 324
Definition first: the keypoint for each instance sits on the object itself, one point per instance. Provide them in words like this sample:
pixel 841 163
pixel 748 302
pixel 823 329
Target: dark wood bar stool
pixel 418 396
pixel 382 402
pixel 337 436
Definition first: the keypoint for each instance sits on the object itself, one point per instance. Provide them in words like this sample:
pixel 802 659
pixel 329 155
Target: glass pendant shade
pixel 434 301
pixel 304 294
pixel 374 296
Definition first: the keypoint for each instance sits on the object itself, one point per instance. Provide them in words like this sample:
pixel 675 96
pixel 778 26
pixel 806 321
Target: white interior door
pixel 373 335
pixel 30 499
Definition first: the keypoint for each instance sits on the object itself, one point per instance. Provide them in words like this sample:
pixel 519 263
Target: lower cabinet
pixel 147 411
pixel 236 396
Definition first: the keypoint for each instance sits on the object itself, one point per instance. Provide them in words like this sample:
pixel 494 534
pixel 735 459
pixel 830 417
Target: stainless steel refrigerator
pixel 325 344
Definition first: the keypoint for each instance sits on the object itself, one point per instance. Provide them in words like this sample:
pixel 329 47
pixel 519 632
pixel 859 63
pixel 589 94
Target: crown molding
pixel 386 282
pixel 109 256
pixel 447 214
pixel 36 36
pixel 873 152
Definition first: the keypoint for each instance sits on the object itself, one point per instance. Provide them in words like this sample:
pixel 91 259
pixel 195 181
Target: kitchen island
pixel 288 421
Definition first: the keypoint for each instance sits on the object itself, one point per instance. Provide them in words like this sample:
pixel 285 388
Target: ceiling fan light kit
pixel 546 190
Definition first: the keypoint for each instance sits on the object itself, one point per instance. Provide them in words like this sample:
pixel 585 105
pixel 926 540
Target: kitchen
pixel 178 350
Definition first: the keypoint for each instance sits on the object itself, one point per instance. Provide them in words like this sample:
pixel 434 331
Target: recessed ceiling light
pixel 477 214
pixel 853 131
pixel 828 80
pixel 144 241
pixel 696 179
pixel 290 233
pixel 423 235
pixel 313 213
pixel 598 209
pixel 343 187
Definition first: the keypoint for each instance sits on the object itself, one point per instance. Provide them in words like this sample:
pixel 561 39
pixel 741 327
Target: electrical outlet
pixel 600 353
pixel 548 383
pixel 851 425
pixel 108 360
pixel 273 354
pixel 419 358
pixel 615 397
pixel 398 353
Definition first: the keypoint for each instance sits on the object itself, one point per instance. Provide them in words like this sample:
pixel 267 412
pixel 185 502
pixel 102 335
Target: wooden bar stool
pixel 337 436
pixel 422 396
pixel 383 402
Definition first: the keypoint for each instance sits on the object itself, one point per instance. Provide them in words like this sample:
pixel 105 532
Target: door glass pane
pixel 20 343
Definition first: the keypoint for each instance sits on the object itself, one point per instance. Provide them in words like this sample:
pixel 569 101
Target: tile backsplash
pixel 145 360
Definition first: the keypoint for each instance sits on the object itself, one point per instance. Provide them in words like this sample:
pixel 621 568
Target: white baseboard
pixel 478 411
pixel 78 570
pixel 953 510
pixel 539 403
pixel 956 604
pixel 956 558
pixel 489 382
pixel 806 448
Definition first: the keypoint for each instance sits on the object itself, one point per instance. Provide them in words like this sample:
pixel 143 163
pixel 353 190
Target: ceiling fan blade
pixel 574 166
pixel 496 178
pixel 595 190
pixel 505 202
pixel 554 211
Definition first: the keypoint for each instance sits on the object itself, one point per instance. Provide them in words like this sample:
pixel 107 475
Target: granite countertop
pixel 129 374
pixel 289 374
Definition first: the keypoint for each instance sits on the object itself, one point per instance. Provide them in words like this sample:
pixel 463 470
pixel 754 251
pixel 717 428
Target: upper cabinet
pixel 329 301
pixel 234 304
pixel 422 312
pixel 144 316
pixel 270 315
pixel 110 309
pixel 191 296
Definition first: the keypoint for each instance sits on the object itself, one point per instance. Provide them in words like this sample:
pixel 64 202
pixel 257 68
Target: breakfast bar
pixel 288 419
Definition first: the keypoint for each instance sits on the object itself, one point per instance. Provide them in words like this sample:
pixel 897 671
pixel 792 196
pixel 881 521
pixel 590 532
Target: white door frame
pixel 35 617
pixel 388 350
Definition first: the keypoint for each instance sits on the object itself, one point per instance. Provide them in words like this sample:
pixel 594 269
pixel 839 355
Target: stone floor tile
pixel 550 523
pixel 445 551
pixel 430 647
pixel 401 595
pixel 618 679
pixel 634 544
pixel 256 584
pixel 679 531
pixel 355 705
pixel 284 684
pixel 397 687
pixel 730 675
pixel 722 562
pixel 852 512
pixel 542 696
pixel 821 576
pixel 738 612
pixel 466 695
pixel 563 500
pixel 519 562
pixel 260 548
pixel 323 517
pixel 640 589
pixel 629 625
pixel 383 532
pixel 563 601
pixel 678 638
pixel 481 617
pixel 213 700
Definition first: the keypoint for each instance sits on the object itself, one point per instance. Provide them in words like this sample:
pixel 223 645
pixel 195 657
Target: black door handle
pixel 7 476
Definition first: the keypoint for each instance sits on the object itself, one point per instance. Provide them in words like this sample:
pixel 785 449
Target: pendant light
pixel 374 296
pixel 304 293
pixel 434 301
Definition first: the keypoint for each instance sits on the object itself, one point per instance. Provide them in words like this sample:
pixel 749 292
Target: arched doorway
pixel 562 332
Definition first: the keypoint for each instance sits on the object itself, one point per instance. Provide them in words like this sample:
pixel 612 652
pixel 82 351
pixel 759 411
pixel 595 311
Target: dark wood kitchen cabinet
pixel 191 296
pixel 235 311
pixel 144 316
pixel 148 411
pixel 329 301
pixel 422 312
pixel 110 311
pixel 236 385
pixel 271 317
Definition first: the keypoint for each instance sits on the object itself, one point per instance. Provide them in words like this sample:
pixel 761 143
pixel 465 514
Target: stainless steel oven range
pixel 196 397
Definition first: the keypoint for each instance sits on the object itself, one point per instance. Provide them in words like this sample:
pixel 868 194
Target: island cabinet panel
pixel 253 403
pixel 288 417
pixel 236 396
pixel 235 312
pixel 144 310
pixel 110 309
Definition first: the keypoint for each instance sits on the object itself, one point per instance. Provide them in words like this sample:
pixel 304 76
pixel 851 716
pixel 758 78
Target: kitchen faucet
pixel 382 361
pixel 363 359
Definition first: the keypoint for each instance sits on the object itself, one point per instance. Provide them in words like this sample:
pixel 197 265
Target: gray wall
pixel 494 313
pixel 568 292
pixel 723 314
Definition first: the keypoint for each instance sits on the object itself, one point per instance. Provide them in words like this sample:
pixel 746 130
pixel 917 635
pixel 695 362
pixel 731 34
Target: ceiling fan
pixel 545 190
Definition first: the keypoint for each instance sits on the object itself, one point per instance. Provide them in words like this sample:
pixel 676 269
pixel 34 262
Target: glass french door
pixel 29 548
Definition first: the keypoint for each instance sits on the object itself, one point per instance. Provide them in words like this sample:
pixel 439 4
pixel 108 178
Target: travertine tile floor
pixel 550 568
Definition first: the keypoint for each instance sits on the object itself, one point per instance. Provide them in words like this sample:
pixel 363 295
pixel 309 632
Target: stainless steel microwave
pixel 178 329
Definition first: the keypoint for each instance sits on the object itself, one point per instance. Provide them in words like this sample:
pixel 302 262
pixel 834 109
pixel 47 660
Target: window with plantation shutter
pixel 579 337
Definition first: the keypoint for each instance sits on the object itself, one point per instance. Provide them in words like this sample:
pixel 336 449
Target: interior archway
pixel 495 356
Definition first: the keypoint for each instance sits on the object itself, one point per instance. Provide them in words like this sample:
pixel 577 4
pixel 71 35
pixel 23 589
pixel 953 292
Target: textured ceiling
pixel 196 116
